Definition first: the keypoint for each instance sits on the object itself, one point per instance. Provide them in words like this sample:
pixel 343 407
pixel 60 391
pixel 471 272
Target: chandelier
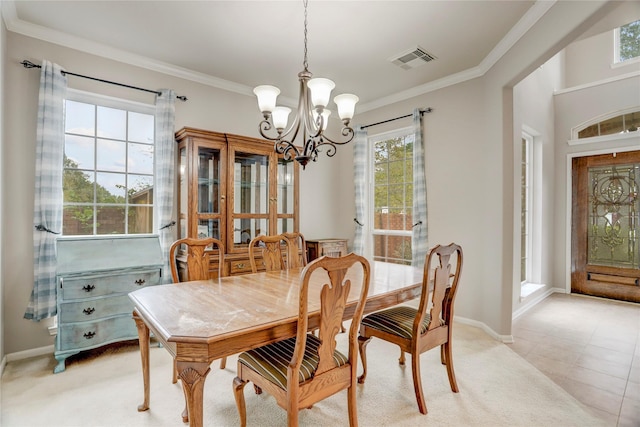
pixel 311 119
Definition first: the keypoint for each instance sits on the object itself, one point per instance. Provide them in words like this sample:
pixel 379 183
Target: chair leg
pixel 353 408
pixel 223 363
pixel 238 391
pixel 417 382
pixel 449 358
pixel 362 347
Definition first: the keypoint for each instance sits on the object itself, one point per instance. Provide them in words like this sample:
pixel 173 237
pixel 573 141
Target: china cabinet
pixel 233 188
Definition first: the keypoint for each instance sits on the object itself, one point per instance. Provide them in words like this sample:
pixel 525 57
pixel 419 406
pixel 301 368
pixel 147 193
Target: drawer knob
pixel 240 265
pixel 88 288
pixel 140 282
pixel 88 311
pixel 89 335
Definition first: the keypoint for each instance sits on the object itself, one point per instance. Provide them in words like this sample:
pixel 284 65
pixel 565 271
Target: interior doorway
pixel 605 226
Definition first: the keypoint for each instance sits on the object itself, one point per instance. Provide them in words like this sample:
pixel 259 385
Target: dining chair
pixel 197 254
pixel 306 369
pixel 270 247
pixel 296 250
pixel 419 330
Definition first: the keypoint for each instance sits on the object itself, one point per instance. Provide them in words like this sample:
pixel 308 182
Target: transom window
pixel 392 195
pixel 108 166
pixel 623 123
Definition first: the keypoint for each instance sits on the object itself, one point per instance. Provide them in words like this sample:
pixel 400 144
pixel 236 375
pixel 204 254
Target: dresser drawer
pixel 94 308
pixel 334 249
pixel 88 286
pixel 78 336
pixel 243 266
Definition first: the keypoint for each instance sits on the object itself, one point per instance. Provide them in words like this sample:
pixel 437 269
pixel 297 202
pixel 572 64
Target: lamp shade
pixel 320 91
pixel 267 96
pixel 325 117
pixel 280 117
pixel 346 105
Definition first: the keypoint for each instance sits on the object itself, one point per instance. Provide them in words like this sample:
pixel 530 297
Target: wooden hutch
pixel 233 188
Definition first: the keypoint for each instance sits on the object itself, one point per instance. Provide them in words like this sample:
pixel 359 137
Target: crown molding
pixel 16 25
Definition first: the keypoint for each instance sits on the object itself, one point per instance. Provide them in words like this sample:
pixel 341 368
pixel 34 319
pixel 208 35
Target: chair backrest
pixel 443 284
pixel 334 291
pixel 297 250
pixel 197 253
pixel 270 247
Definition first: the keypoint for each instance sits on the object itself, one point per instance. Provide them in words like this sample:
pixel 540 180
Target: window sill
pixel 528 289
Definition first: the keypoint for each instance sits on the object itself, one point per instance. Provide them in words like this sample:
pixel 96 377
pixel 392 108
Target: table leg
pixel 143 340
pixel 193 375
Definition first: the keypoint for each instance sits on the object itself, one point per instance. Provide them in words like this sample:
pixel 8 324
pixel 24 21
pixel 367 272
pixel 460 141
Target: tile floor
pixel 591 348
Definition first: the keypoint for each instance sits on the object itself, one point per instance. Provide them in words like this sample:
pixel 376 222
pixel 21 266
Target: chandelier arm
pixel 346 131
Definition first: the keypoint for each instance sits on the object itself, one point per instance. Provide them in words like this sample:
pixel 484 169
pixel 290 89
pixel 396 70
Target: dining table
pixel 200 321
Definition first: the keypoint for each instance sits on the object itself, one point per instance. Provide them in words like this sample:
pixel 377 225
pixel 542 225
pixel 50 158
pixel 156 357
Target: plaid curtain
pixel 419 237
pixel 360 179
pixel 47 212
pixel 165 149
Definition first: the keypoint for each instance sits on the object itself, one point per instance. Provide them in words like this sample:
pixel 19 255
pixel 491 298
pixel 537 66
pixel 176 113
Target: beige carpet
pixel 497 388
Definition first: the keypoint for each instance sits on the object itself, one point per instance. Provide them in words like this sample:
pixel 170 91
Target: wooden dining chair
pixel 296 250
pixel 419 330
pixel 197 253
pixel 270 247
pixel 305 369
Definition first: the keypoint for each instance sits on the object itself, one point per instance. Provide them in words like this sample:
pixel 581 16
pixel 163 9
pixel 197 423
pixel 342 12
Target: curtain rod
pixel 422 111
pixel 29 64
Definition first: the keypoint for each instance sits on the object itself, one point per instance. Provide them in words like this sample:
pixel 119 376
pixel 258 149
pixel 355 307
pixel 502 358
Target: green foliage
pixel 630 41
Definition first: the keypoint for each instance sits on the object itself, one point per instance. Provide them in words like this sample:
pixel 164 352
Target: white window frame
pixel 370 231
pixel 122 104
pixel 616 51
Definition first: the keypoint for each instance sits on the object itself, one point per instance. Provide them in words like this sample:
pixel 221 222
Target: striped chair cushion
pixel 271 360
pixel 396 320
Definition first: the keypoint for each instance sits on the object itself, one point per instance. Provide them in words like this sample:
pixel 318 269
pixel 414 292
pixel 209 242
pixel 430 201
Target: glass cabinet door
pixel 251 196
pixel 209 202
pixel 285 197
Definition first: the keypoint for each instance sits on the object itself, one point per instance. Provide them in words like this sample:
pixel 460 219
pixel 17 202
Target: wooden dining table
pixel 200 321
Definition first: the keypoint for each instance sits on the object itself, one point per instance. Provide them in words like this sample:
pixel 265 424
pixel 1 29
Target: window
pixel 525 208
pixel 392 195
pixel 627 42
pixel 108 166
pixel 622 123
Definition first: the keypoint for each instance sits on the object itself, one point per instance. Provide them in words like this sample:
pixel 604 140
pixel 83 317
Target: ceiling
pixel 237 45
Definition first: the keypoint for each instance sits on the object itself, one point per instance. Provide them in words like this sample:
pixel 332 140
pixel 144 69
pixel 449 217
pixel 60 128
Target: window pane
pixel 285 187
pixel 208 180
pixel 396 149
pixel 394 249
pixel 80 118
pixel 208 228
pixel 630 41
pixel 251 182
pixel 111 155
pixel 112 123
pixel 141 128
pixel 140 189
pixel 140 219
pixel 110 188
pixel 285 225
pixel 110 220
pixel 245 229
pixel 77 186
pixel 78 220
pixel 140 158
pixel 78 152
pixel 613 125
pixel 381 153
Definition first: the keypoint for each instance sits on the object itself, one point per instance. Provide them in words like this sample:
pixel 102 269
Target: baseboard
pixel 533 301
pixel 506 339
pixel 26 354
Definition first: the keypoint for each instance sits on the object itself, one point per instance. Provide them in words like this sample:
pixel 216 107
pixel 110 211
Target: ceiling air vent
pixel 412 58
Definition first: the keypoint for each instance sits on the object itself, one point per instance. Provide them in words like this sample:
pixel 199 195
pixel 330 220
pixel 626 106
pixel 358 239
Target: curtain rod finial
pixel 29 64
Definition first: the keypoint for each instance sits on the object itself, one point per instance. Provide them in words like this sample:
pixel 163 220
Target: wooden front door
pixel 605 230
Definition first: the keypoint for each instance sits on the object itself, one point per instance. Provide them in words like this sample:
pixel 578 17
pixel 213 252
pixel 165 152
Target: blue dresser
pixel 95 275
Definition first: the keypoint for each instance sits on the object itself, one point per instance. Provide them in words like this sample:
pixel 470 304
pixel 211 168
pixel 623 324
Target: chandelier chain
pixel 305 63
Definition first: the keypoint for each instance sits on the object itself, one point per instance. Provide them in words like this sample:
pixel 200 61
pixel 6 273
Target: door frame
pixel 569 195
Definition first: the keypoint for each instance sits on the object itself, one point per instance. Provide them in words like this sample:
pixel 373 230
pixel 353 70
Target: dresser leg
pixel 60 367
